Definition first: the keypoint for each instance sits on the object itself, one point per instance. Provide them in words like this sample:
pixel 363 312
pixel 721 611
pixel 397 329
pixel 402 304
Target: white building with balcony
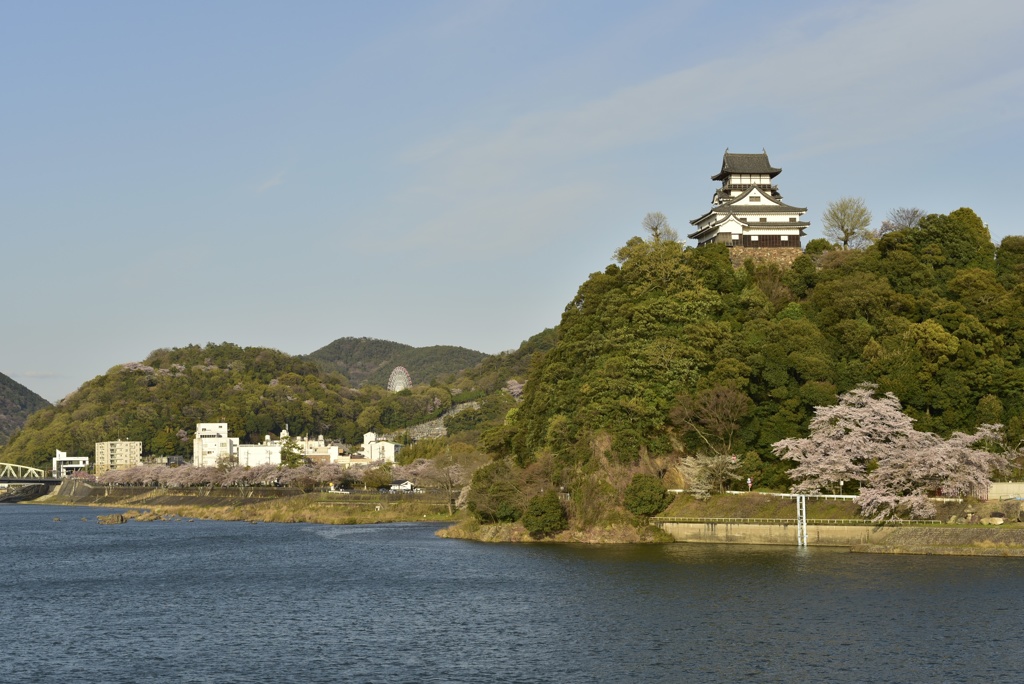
pixel 65 466
pixel 119 455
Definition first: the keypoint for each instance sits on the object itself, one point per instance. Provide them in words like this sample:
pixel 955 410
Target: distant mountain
pixel 17 402
pixel 368 361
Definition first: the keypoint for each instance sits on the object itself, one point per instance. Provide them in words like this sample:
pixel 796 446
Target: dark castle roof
pixel 745 163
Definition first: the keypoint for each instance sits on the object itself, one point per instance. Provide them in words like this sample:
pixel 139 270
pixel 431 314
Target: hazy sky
pixel 284 174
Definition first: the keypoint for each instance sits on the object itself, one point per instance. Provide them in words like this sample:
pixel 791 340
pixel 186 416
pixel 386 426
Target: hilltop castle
pixel 747 212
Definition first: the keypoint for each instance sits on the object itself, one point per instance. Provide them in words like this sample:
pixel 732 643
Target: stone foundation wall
pixel 782 256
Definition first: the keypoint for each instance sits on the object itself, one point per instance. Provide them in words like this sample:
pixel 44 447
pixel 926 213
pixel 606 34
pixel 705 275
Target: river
pixel 207 601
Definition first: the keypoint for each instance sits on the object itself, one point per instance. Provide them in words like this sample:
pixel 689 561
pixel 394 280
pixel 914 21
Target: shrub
pixel 545 515
pixel 646 496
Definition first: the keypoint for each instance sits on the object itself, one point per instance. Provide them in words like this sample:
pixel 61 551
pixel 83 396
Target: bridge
pixel 14 473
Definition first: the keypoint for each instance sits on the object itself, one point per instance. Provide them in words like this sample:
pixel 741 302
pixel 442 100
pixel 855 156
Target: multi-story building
pixel 212 446
pixel 117 455
pixel 65 466
pixel 377 449
pixel 748 211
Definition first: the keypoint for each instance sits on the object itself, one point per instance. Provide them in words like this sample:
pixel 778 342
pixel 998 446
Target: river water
pixel 207 601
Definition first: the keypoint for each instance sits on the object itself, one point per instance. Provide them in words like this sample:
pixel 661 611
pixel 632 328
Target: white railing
pixel 785 495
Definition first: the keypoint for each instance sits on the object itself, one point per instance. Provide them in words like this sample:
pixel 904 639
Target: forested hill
pixel 671 351
pixel 17 403
pixel 255 391
pixel 365 360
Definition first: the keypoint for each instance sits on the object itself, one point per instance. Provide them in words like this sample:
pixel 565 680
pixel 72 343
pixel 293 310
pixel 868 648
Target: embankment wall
pixel 765 533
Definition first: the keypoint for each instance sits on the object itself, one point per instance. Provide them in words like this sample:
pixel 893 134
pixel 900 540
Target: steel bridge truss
pixel 13 471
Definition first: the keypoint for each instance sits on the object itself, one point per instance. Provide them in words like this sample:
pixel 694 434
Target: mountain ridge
pixel 17 403
pixel 369 361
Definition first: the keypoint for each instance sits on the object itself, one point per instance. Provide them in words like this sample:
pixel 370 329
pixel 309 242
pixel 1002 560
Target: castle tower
pixel 747 210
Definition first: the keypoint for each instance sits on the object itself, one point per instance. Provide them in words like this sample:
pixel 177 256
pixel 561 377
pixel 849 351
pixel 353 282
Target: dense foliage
pixel 646 496
pixel 545 515
pixel 368 361
pixel 672 352
pixel 17 403
pixel 493 373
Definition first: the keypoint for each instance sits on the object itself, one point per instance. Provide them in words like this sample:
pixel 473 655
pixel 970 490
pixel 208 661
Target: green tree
pixel 545 515
pixel 846 222
pixel 646 496
pixel 291 456
pixel 495 494
pixel 957 240
pixel 817 247
pixel 378 478
pixel 1010 261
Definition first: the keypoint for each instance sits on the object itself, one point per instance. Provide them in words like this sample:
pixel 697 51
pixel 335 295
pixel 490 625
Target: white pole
pixel 801 520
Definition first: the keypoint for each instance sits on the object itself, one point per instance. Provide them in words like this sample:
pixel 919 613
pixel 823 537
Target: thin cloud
pixel 272 183
pixel 829 81
pixel 835 79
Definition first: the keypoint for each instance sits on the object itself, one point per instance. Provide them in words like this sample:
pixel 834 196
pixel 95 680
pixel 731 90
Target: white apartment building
pixel 117 455
pixel 212 445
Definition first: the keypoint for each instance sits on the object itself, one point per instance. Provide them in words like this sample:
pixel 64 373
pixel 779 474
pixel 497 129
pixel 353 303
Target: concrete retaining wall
pixel 756 533
pixel 1001 490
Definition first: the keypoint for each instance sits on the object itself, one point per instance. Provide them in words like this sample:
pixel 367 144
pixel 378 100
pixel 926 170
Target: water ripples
pixel 234 602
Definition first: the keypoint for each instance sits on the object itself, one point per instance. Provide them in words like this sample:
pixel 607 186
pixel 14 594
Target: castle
pixel 747 212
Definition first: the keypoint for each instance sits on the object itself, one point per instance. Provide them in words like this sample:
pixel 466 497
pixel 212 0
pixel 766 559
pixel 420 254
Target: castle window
pixel 755 198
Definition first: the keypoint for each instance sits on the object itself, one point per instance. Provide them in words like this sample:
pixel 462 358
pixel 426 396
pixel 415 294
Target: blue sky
pixel 285 174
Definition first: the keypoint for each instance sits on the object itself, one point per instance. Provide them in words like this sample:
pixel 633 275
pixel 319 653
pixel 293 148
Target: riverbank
pixel 283 505
pixel 257 504
pixel 736 526
pixel 621 533
pixel 951 541
pixel 972 528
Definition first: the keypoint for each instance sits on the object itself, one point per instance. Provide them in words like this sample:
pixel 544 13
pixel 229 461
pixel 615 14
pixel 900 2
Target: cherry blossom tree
pixel 328 473
pixel 908 465
pixel 301 477
pixel 844 437
pixel 703 474
pixel 931 465
pixel 447 473
pixel 264 474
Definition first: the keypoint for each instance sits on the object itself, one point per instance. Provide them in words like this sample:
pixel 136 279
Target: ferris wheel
pixel 399 380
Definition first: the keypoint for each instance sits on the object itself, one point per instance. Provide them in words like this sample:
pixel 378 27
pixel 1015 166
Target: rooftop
pixel 745 163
